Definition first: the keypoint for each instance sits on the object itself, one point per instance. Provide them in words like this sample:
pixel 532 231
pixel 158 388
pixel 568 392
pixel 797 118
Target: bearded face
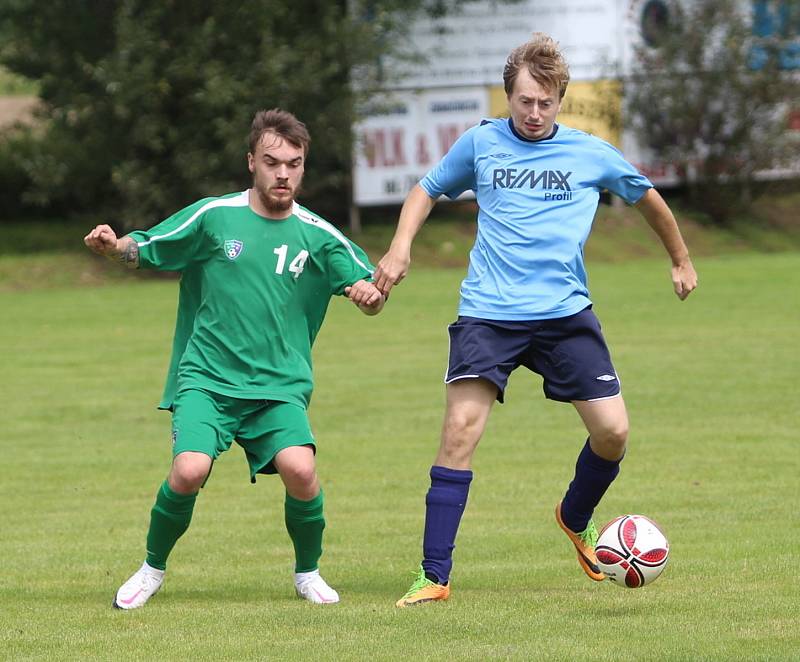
pixel 277 167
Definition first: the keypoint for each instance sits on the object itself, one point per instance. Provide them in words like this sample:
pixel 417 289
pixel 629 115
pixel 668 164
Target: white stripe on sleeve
pixel 237 201
pixel 311 219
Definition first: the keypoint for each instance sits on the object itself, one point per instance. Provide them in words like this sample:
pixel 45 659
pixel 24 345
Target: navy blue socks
pixel 445 503
pixel 447 498
pixel 593 475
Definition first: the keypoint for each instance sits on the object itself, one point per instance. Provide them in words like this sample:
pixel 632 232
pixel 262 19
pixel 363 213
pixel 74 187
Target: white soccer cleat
pixel 142 585
pixel 312 587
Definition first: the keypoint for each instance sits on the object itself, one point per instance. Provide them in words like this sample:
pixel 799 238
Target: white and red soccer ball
pixel 632 551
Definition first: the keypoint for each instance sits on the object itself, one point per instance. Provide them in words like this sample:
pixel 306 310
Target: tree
pixel 146 104
pixel 712 95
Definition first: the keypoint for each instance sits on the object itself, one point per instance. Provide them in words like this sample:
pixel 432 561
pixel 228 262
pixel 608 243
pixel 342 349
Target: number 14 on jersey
pixel 296 266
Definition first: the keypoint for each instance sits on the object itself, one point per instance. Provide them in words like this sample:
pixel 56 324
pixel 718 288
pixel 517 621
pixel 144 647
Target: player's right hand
pixel 392 268
pixel 102 240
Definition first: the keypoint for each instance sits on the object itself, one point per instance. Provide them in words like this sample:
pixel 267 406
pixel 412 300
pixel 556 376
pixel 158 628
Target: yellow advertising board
pixel 591 106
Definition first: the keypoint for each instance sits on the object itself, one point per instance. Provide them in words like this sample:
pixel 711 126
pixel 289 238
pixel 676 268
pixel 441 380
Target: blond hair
pixel 544 62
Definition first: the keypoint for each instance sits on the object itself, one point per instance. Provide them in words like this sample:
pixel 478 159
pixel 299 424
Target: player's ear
pixel 251 162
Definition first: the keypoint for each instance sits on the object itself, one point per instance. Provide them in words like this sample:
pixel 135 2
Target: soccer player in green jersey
pixel 258 271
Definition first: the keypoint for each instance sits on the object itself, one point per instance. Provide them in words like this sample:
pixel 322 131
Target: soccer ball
pixel 632 551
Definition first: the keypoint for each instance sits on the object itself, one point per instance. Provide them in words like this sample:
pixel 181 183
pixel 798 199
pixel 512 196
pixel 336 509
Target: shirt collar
pixel 517 134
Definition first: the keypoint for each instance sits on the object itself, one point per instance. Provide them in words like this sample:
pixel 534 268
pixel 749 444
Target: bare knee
pixel 189 472
pixel 469 402
pixel 298 472
pixel 460 436
pixel 301 476
pixel 610 441
pixel 460 427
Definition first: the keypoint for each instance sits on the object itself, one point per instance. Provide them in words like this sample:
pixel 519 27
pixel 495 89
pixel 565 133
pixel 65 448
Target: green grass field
pixel 711 387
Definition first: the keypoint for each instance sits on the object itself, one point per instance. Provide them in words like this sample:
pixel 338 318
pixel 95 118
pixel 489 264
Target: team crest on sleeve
pixel 233 248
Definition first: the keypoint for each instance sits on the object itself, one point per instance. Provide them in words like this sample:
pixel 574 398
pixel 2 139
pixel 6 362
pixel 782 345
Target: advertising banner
pixel 460 81
pixel 401 139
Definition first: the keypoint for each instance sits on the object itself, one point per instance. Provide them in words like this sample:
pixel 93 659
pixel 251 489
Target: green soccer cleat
pixel 584 543
pixel 423 590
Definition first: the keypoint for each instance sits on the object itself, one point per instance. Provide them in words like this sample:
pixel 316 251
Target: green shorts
pixel 208 423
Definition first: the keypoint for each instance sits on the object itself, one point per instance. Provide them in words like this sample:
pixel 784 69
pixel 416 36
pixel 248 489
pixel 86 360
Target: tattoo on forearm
pixel 129 255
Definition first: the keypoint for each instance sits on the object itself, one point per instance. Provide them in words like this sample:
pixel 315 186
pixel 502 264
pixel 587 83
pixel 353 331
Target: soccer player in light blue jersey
pixel 524 301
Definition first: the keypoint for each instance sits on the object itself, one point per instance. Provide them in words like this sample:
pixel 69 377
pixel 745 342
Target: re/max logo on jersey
pixel 552 180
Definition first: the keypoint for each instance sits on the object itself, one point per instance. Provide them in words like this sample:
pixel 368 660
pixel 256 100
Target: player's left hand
pixel 366 296
pixel 684 278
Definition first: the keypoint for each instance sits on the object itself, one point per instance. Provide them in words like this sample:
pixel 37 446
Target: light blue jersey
pixel 537 201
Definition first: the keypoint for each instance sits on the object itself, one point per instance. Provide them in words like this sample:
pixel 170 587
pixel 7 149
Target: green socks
pixel 305 523
pixel 169 520
pixel 172 513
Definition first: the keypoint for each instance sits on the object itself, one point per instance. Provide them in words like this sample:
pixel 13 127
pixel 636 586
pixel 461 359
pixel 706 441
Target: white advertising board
pixel 404 137
pixel 470 48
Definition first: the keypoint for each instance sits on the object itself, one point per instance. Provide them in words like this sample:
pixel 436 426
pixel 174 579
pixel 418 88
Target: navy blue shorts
pixel 570 353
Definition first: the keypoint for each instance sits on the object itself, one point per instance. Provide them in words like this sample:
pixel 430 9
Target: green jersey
pixel 253 294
